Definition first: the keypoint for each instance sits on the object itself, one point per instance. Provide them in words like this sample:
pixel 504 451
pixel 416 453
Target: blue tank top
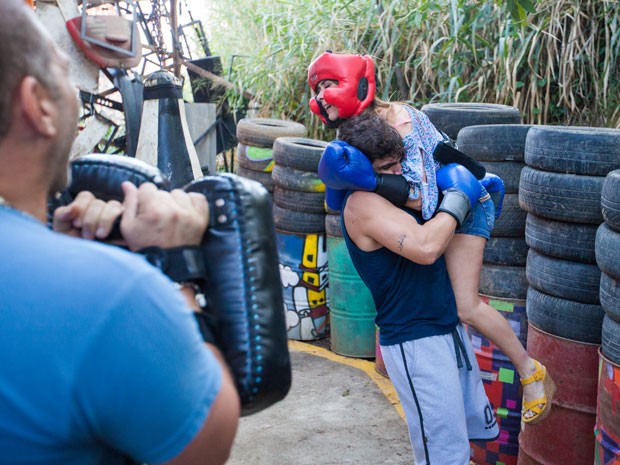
pixel 413 301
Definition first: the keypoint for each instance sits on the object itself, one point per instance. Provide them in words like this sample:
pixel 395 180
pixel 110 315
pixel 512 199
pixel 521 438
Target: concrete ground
pixel 339 411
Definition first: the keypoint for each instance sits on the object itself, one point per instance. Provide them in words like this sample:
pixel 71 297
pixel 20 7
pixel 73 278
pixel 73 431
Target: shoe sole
pixel 550 389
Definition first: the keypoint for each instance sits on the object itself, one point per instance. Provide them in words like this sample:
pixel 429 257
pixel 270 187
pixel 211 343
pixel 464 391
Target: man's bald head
pixel 25 50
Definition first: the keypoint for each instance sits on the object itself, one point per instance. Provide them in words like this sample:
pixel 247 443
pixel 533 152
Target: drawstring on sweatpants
pixel 459 348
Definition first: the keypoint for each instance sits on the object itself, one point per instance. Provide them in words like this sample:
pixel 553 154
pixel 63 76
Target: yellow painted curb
pixel 365 365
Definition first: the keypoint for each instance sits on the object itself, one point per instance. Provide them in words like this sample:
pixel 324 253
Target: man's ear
pixel 37 106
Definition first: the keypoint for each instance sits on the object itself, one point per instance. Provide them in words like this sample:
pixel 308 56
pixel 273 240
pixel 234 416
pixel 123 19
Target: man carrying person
pixel 427 353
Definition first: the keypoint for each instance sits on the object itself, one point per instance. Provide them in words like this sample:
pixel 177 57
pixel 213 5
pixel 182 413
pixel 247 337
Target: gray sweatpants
pixel 438 383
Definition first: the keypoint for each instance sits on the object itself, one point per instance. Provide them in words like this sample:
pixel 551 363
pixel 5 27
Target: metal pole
pixel 176 58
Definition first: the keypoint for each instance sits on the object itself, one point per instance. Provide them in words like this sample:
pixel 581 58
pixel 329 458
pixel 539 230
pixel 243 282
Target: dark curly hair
pixel 372 135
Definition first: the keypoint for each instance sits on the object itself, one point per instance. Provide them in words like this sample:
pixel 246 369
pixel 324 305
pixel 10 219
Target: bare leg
pixel 464 262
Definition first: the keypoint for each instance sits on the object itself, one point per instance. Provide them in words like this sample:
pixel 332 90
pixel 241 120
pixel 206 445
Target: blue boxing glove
pixel 494 186
pixel 455 176
pixel 334 198
pixel 344 167
pixel 460 190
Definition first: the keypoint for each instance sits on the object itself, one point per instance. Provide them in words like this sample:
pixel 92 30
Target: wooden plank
pixel 191 149
pixel 200 117
pixel 215 78
pixel 149 128
pixel 94 130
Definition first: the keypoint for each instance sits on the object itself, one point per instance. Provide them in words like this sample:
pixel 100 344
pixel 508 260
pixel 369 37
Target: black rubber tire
pixel 494 142
pixel 511 251
pixel 310 202
pixel 329 211
pixel 262 132
pixel 298 222
pixel 263 177
pixel 255 158
pixel 565 318
pixel 610 339
pixel 563 278
pixel 570 241
pixel 333 226
pixel 503 281
pixel 511 221
pixel 305 181
pixel 573 150
pixel 509 171
pixel 299 153
pixel 610 200
pixel 562 197
pixel 607 249
pixel 452 117
pixel 610 296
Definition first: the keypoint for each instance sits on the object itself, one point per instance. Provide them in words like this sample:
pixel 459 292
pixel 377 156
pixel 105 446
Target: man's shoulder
pixel 363 203
pixel 125 271
pixel 79 259
pixel 120 283
pixel 95 254
pixel 28 237
pixel 365 216
pixel 364 196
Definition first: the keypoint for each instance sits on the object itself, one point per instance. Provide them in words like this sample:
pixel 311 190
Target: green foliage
pixel 519 9
pixel 556 60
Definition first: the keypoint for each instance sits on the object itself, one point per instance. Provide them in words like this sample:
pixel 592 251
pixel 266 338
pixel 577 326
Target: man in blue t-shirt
pixel 427 353
pixel 101 360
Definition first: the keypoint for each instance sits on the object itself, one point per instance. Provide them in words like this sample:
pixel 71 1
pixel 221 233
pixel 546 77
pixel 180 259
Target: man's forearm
pixel 435 237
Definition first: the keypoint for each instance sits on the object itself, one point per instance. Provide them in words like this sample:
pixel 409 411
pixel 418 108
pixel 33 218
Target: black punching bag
pixel 164 139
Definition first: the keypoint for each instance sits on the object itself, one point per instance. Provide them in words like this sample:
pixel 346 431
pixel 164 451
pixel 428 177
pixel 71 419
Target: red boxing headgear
pixel 356 83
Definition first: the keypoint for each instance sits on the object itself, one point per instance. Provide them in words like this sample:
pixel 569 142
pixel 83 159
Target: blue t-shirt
pixel 100 358
pixel 413 301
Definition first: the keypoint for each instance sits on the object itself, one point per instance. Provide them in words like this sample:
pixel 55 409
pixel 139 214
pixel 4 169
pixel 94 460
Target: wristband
pixel 455 203
pixel 180 264
pixel 393 187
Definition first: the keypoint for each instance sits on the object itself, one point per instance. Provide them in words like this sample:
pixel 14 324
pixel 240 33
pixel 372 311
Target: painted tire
pixel 262 132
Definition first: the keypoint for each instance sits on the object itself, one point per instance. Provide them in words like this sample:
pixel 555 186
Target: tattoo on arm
pixel 401 240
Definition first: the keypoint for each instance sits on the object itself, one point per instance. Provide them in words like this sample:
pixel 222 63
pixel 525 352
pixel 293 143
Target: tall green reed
pixel 558 67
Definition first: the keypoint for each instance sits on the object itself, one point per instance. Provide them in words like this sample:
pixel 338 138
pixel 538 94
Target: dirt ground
pixel 324 343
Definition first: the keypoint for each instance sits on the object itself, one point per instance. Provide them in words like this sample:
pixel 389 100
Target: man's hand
pixel 344 167
pixel 164 219
pixel 87 217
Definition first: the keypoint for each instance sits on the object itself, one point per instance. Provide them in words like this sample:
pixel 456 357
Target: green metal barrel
pixel 352 310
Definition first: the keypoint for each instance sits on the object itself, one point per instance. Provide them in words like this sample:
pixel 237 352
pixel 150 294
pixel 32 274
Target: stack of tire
pixel 607 249
pixel 503 285
pixel 255 148
pixel 299 217
pixel 452 117
pixel 560 188
pixel 352 310
pixel 501 149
